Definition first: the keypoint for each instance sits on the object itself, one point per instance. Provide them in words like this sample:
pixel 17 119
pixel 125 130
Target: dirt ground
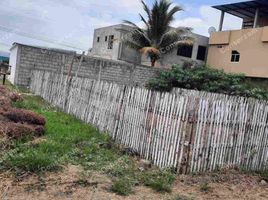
pixel 74 183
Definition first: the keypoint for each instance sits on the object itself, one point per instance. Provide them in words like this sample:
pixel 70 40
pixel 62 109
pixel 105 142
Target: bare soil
pixel 74 183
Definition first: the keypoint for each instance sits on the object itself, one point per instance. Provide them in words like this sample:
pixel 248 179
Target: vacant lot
pixel 73 160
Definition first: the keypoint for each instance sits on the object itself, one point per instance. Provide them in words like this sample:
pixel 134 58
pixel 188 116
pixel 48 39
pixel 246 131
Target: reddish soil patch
pixel 14 122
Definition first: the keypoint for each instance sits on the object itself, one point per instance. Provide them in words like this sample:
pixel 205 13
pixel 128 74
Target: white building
pixel 107 44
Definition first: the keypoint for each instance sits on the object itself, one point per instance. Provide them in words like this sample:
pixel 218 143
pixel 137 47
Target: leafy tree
pixel 158 37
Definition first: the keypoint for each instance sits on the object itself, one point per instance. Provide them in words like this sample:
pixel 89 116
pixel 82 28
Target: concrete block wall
pixel 26 58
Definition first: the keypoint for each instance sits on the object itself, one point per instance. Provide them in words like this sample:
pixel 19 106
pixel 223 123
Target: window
pixel 106 38
pixel 201 53
pixel 111 42
pixel 185 51
pixel 235 56
pixel 98 39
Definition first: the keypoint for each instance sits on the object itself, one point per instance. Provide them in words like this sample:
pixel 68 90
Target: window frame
pixel 235 56
pixel 185 46
pixel 110 42
pixel 198 51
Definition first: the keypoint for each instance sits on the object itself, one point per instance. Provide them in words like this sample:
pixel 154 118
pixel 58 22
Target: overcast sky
pixel 72 22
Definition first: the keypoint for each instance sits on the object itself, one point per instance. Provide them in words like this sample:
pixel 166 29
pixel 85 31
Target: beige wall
pixel 253 52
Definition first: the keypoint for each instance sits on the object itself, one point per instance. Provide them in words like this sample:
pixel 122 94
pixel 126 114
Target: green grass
pixel 68 140
pixel 123 186
pixel 159 181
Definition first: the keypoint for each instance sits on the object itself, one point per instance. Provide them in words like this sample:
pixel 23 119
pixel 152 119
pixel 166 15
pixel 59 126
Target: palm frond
pixel 131 24
pixel 182 30
pixel 145 22
pixel 171 46
pixel 132 44
pixel 137 37
pixel 189 41
pixel 168 37
pixel 173 35
pixel 141 36
pixel 172 12
pixel 147 10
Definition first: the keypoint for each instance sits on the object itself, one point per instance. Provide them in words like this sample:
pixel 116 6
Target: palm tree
pixel 158 37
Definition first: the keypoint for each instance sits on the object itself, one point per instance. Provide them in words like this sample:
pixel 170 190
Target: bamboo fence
pixel 187 130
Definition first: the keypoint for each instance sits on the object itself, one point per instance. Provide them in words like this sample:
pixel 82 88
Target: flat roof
pixel 246 9
pixel 44 48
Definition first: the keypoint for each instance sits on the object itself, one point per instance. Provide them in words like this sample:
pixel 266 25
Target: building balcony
pixel 240 51
pixel 259 35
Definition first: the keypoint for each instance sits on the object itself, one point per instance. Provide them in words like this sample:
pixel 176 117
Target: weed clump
pixel 160 181
pixel 205 187
pixel 122 186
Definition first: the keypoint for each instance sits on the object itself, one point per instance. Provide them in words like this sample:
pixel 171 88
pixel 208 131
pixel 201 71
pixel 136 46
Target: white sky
pixel 72 22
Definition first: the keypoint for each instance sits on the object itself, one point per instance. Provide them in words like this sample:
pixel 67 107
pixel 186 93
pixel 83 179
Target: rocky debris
pixel 145 164
pixel 263 182
pixel 17 123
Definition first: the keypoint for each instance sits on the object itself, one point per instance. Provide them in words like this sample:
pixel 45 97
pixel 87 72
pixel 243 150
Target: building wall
pixel 172 58
pixel 13 61
pixel 129 55
pixel 253 49
pixel 101 48
pixel 30 58
pixel 122 52
pixel 119 51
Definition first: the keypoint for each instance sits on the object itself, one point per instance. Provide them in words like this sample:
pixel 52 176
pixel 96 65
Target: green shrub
pixel 121 167
pixel 207 79
pixel 122 186
pixel 160 181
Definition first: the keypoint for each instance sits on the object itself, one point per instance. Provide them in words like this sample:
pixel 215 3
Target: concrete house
pixel 245 50
pixel 107 44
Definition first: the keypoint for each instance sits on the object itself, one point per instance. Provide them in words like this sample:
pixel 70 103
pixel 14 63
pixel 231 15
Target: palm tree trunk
pixel 153 60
